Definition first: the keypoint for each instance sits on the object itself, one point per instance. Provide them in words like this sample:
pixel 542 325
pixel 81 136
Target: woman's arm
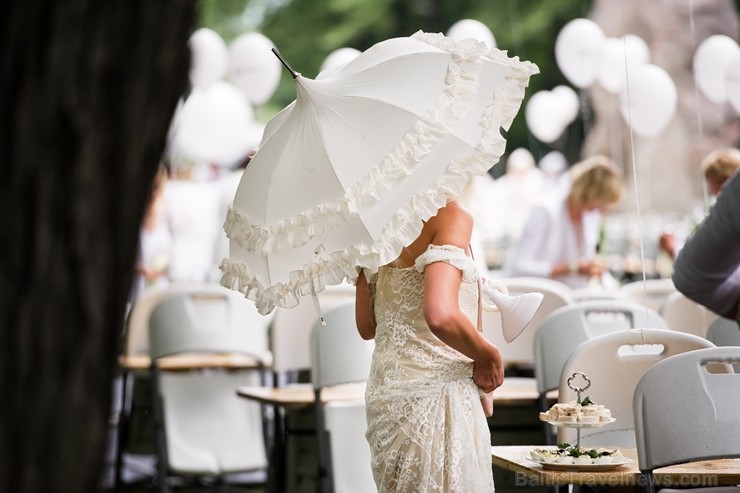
pixel 453 226
pixel 454 328
pixel 707 268
pixel 364 310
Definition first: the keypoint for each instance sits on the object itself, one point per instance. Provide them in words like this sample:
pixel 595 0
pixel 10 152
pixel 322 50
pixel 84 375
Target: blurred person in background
pixel 155 241
pixel 561 234
pixel 717 167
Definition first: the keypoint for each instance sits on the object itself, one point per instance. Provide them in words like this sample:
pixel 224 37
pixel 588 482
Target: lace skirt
pixel 430 438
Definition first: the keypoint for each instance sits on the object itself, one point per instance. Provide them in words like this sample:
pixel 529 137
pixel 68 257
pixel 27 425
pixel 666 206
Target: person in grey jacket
pixel 707 269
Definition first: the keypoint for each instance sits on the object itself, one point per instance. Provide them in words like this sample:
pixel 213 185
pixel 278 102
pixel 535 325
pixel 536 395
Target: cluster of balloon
pixel 548 113
pixel 717 70
pixel 216 122
pixel 618 57
pixel 647 94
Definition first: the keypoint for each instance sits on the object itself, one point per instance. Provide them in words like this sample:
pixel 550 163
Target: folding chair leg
pixel 547 430
pixel 123 427
pixel 324 482
pixel 161 445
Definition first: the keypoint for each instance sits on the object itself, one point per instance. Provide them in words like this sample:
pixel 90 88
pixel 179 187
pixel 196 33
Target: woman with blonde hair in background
pixel 561 235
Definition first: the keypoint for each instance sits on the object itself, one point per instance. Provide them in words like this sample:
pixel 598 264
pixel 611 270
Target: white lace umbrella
pixel 346 173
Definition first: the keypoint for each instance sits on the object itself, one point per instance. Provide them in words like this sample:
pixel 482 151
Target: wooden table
pixel 515 458
pixel 514 392
pixel 192 361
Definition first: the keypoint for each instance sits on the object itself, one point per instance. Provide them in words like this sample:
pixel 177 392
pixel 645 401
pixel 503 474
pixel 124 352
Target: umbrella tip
pixel 293 73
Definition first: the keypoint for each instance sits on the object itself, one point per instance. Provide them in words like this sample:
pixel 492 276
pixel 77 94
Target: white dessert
pixel 576 412
pixel 567 454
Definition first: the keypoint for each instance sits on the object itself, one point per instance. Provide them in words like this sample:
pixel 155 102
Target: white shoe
pixel 516 311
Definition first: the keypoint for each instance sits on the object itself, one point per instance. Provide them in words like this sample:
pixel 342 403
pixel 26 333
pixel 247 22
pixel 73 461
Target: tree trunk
pixel 668 174
pixel 86 95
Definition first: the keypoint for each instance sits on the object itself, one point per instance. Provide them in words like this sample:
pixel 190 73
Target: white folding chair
pixel 561 332
pixel 339 356
pixel 136 345
pixel 203 428
pixel 686 315
pixel 346 422
pixel 614 363
pixel 685 412
pixel 519 352
pixel 290 343
pixel 649 292
pixel 290 332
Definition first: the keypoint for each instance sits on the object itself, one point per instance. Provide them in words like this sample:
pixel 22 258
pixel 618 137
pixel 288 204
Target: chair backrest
pixel 685 413
pixel 686 315
pixel 338 353
pixel 568 327
pixel 350 452
pixel 615 363
pixel 207 319
pixel 724 332
pixel 650 292
pixel 290 334
pixel 137 321
pixel 519 352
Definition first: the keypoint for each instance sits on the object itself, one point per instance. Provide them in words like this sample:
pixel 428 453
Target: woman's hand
pixel 591 267
pixel 489 374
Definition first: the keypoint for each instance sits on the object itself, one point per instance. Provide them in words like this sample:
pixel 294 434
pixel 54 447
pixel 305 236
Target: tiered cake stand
pixel 578 426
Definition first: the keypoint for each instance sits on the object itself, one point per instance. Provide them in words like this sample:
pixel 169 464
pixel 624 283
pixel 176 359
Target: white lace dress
pixel 426 428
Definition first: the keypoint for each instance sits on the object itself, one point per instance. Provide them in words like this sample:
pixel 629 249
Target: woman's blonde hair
pixel 595 179
pixel 720 164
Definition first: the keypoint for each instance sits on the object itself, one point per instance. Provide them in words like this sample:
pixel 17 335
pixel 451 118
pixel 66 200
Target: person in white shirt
pixel 561 233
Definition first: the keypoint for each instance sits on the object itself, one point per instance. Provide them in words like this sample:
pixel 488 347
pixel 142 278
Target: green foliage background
pixel 306 31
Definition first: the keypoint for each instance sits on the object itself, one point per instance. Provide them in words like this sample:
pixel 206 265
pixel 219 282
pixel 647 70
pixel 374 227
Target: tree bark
pixel 86 95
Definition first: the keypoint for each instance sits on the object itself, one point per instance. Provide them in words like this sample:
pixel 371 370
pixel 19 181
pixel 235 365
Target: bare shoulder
pixel 453 225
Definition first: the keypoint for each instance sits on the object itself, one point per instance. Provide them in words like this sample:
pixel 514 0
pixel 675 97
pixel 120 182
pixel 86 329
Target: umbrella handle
pixel 286 64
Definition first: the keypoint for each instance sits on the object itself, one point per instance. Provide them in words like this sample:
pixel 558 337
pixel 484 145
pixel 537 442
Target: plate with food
pixel 578 414
pixel 567 457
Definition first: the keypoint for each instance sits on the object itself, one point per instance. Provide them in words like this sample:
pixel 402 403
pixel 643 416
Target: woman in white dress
pixel 561 234
pixel 155 242
pixel 426 427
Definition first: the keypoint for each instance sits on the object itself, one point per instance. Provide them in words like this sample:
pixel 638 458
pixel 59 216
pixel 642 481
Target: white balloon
pixel 471 28
pixel 612 72
pixel 732 79
pixel 553 164
pixel 520 159
pixel 649 103
pixel 339 57
pixel 253 68
pixel 215 125
pixel 209 58
pixel 711 60
pixel 638 52
pixel 578 51
pixel 544 117
pixel 569 103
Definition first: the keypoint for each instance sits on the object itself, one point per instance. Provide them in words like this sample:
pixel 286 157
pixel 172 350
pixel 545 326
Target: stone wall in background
pixel 668 176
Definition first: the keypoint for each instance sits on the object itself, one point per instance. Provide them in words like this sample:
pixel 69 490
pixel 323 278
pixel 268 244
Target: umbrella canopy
pixel 346 174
